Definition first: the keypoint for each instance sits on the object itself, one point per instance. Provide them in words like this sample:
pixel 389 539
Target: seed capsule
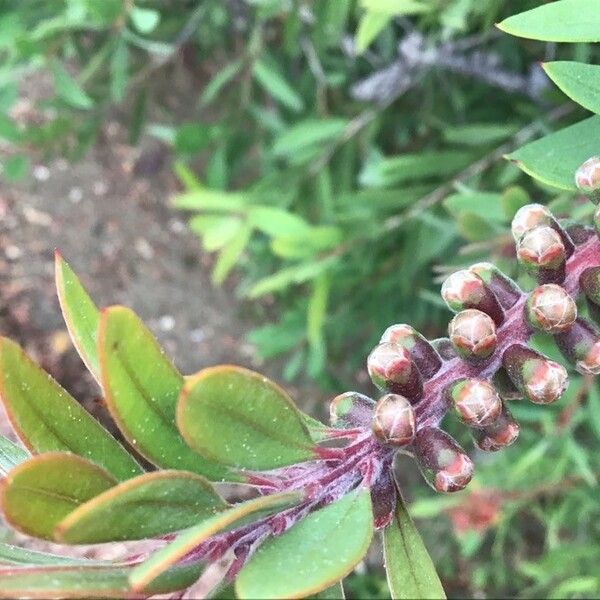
pixel 424 355
pixel 351 410
pixel 540 379
pixel 501 433
pixel 476 402
pixel 550 308
pixel 394 420
pixel 581 345
pixel 473 334
pixel 542 252
pixel 444 348
pixel 535 215
pixel 391 368
pixel 464 289
pixel 587 178
pixel 506 291
pixel 443 463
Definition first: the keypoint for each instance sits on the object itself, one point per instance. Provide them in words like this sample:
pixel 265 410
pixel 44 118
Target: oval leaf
pixel 312 555
pixel 10 455
pixel 563 21
pixel 48 419
pixel 237 516
pixel 409 568
pixel 240 418
pixel 141 387
pixel 555 158
pixel 79 311
pixel 147 506
pixel 37 494
pixel 579 81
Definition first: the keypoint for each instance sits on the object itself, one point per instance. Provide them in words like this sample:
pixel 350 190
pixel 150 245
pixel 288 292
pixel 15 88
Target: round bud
pixel 529 217
pixel 550 308
pixel 501 433
pixel 542 252
pixel 351 410
pixel 476 402
pixel 443 463
pixel 394 420
pixel 502 286
pixel 587 178
pixel 473 334
pixel 581 345
pixel 391 368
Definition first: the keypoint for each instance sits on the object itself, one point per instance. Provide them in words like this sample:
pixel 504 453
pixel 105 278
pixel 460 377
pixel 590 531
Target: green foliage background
pixel 346 211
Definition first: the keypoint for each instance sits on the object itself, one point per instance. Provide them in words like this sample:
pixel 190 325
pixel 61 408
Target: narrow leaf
pixel 240 418
pixel 40 492
pixel 10 455
pixel 275 84
pixel 15 555
pixel 579 81
pixel 237 516
pixel 141 387
pixel 47 418
pixel 311 556
pixel 146 506
pixel 68 89
pixel 409 568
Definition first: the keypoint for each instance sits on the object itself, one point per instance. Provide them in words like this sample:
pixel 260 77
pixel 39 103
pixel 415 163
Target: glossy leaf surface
pixel 240 418
pixel 15 555
pixel 577 80
pixel 39 493
pixel 147 506
pixel 311 556
pixel 47 418
pixel 141 387
pixel 236 516
pixel 10 455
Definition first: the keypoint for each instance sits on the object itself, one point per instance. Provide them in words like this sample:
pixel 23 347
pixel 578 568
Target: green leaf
pixel 68 89
pixel 15 167
pixel 276 221
pixel 40 492
pixel 275 85
pixel 237 516
pixel 593 409
pixel 230 254
pixel 216 231
pixel 219 80
pixel 240 418
pixel 47 418
pixel 312 555
pixel 555 158
pixel 371 24
pixel 484 204
pixel 87 581
pixel 333 592
pixel 395 7
pixel 118 71
pixel 579 81
pixel 410 571
pixel 79 311
pixel 141 388
pixel 10 455
pixel 15 555
pixel 147 506
pixel 306 134
pixel 214 200
pixel 144 20
pixel 191 138
pixel 563 21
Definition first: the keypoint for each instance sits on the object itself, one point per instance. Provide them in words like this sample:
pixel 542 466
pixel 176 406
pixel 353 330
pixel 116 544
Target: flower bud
pixel 504 386
pixel 391 368
pixel 383 499
pixel 540 379
pixel 506 291
pixel 394 420
pixel 351 410
pixel 535 215
pixel 473 334
pixel 501 433
pixel 428 361
pixel 581 345
pixel 464 289
pixel 542 253
pixel 444 348
pixel 587 178
pixel 443 463
pixel 550 308
pixel 476 401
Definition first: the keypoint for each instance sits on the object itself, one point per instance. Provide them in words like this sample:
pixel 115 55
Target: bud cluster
pixel 486 361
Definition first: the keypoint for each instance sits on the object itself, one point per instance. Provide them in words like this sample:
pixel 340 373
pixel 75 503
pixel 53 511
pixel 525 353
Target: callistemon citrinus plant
pixel 320 491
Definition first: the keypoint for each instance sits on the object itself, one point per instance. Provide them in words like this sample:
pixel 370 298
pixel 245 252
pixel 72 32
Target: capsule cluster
pixel 489 333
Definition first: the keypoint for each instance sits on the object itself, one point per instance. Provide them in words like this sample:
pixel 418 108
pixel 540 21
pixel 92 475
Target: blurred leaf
pixel 10 455
pixel 305 245
pixel 216 231
pixel 513 198
pixel 141 387
pixel 562 21
pixel 369 27
pixel 555 158
pixel 215 200
pixel 193 137
pixel 230 254
pixel 475 228
pixel 147 506
pixel 221 78
pixel 40 492
pixel 478 134
pixel 118 71
pixel 145 20
pixel 483 204
pixel 593 411
pixel 8 96
pixel 47 418
pixel 9 131
pixel 68 89
pixel 15 167
pixel 579 81
pixel 306 134
pixel 300 561
pixel 240 418
pixel 276 221
pixel 274 84
pixel 396 7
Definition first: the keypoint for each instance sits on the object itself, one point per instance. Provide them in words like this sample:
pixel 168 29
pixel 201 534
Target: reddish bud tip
pixel 351 410
pixel 473 334
pixel 503 432
pixel 391 368
pixel 476 402
pixel 529 217
pixel 587 178
pixel 550 308
pixel 394 420
pixel 542 252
